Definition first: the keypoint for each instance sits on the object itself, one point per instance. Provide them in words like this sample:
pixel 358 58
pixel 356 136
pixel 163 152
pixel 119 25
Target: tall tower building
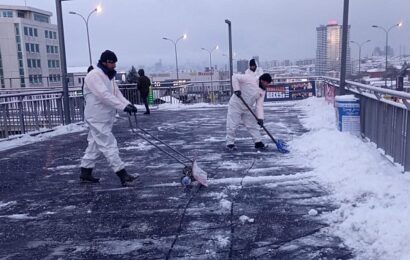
pixel 29 48
pixel 329 50
pixel 242 66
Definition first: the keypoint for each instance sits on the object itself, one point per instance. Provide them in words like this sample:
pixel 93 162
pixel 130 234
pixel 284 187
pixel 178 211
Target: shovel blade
pixel 282 146
pixel 199 175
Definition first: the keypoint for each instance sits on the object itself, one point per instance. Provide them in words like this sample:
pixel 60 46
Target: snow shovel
pixel 280 144
pixel 191 170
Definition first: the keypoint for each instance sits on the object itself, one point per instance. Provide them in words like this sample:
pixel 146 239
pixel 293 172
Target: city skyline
pixel 273 35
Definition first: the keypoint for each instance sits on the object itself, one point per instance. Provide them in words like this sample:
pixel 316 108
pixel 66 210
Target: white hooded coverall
pixel 254 96
pixel 102 98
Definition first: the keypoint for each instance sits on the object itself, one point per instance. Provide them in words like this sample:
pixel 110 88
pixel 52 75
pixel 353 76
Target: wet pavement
pixel 256 207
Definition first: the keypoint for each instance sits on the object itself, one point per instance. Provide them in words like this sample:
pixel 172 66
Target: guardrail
pixel 33 111
pixel 28 110
pixel 384 117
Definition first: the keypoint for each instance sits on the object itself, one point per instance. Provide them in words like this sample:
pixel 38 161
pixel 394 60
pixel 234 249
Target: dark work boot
pixel 86 175
pixel 260 145
pixel 231 147
pixel 125 177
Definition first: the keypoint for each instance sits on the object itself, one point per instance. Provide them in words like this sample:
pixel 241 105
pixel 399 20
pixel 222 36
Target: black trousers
pixel 144 97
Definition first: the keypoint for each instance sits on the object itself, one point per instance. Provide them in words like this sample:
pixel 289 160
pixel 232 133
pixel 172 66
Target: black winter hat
pixel 252 62
pixel 108 56
pixel 266 77
pixel 141 72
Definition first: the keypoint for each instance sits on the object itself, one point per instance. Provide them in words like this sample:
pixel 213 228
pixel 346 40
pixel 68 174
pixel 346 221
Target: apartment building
pixel 29 48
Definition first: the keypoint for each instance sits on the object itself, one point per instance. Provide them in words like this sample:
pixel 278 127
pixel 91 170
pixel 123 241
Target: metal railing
pixel 215 92
pixel 29 110
pixel 33 111
pixel 384 117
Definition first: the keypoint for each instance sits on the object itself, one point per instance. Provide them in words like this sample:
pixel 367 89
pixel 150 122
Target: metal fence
pixel 33 111
pixel 383 117
pixel 27 110
pixel 215 92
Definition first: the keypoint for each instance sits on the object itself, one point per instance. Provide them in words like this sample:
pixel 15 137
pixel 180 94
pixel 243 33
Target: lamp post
pixel 360 50
pixel 60 26
pixel 98 9
pixel 183 37
pixel 387 41
pixel 210 59
pixel 229 23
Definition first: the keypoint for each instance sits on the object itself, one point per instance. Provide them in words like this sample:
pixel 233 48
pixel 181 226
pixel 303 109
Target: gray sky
pixel 272 29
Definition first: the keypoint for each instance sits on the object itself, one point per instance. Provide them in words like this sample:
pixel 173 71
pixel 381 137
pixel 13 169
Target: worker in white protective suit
pixel 103 98
pixel 254 69
pixel 252 91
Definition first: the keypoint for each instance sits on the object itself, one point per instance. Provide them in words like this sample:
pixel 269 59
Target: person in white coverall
pixel 252 90
pixel 103 98
pixel 254 69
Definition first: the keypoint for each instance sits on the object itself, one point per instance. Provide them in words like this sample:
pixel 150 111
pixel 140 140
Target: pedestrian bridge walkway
pixel 258 204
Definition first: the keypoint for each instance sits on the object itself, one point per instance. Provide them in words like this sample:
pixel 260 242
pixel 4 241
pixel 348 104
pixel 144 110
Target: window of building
pixel 38 64
pixel 21 14
pixel 41 18
pixel 55 49
pixel 32 47
pixel 29 63
pixel 35 32
pixel 27 47
pixel 6 13
pixel 25 31
pixel 57 64
pixel 30 31
pixel 37 48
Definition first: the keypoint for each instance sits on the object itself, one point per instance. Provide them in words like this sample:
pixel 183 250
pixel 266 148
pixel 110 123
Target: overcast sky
pixel 272 29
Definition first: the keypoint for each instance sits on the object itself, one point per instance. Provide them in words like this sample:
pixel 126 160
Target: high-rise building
pixel 29 48
pixel 329 49
pixel 242 66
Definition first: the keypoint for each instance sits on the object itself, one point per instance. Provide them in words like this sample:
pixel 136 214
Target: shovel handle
pixel 250 110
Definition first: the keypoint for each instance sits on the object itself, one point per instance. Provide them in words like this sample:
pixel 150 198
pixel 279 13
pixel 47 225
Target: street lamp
pixel 360 49
pixel 183 37
pixel 387 41
pixel 210 58
pixel 98 10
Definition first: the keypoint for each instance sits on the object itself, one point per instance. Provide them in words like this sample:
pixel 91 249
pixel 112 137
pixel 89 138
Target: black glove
pixel 260 122
pixel 237 93
pixel 130 109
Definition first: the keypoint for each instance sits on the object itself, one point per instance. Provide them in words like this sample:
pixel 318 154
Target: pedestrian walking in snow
pixel 144 84
pixel 252 91
pixel 103 98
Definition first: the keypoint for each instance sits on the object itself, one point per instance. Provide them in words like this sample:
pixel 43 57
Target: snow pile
pixel 245 219
pixel 16 141
pixel 374 213
pixel 222 240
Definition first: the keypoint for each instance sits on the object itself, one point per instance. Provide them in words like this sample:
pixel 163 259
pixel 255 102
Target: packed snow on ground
pixel 20 140
pixel 373 194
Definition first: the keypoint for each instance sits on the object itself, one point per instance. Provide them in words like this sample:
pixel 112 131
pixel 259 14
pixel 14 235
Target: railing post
pixel 21 115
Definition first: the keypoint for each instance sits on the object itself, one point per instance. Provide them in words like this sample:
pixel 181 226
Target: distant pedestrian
pixel 252 91
pixel 144 84
pixel 103 98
